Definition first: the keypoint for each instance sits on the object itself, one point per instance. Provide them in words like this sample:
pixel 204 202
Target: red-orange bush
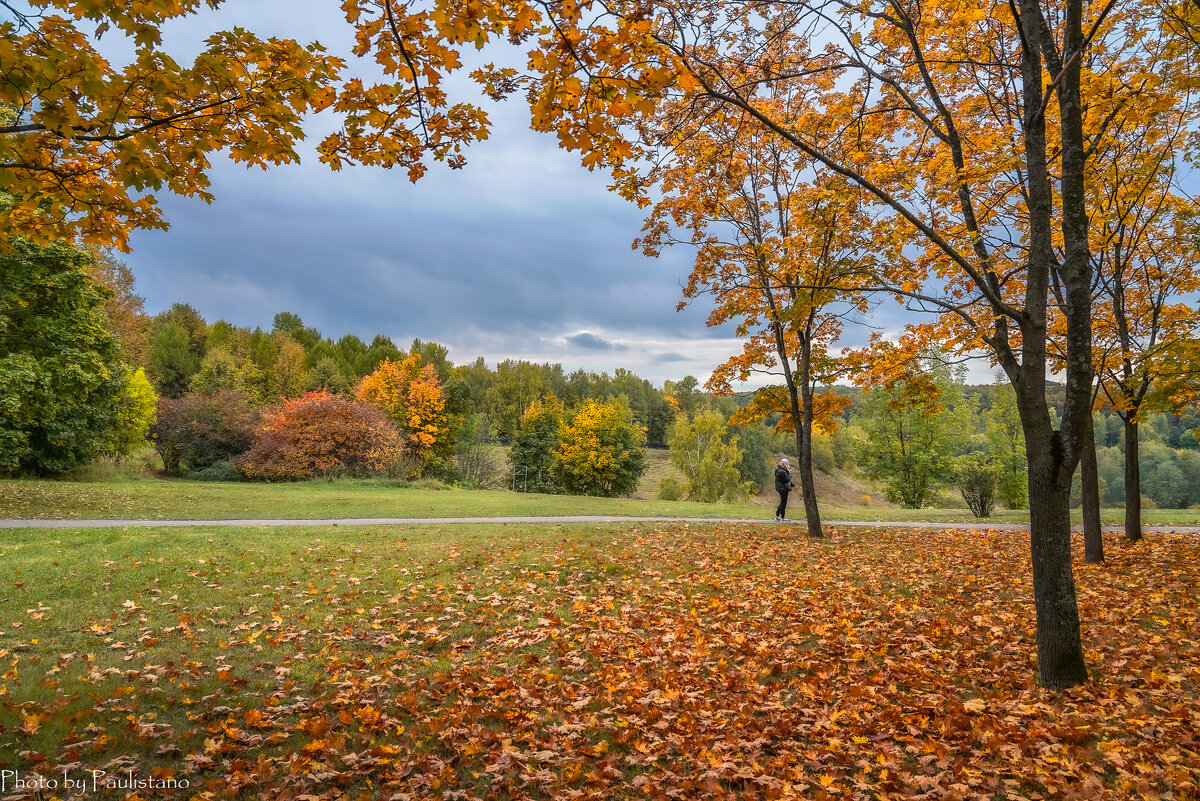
pixel 318 434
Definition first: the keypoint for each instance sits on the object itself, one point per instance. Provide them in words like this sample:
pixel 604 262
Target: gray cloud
pixel 590 341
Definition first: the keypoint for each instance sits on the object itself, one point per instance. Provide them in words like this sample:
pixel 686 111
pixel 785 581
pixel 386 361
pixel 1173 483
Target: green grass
pixel 166 499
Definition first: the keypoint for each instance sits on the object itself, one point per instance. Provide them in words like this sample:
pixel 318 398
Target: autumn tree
pixel 409 393
pixel 967 126
pixel 1145 253
pixel 600 450
pixel 779 255
pixel 964 125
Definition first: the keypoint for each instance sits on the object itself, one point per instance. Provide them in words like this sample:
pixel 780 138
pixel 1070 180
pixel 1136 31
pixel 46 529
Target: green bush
pixel 975 476
pixel 670 489
pixel 219 471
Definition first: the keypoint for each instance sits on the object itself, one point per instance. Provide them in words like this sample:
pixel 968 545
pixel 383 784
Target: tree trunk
pixel 800 409
pixel 1054 455
pixel 1093 539
pixel 1059 645
pixel 808 487
pixel 1133 483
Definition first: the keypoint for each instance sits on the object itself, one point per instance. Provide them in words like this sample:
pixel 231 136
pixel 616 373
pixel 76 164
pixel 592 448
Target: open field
pixel 597 661
pixel 167 499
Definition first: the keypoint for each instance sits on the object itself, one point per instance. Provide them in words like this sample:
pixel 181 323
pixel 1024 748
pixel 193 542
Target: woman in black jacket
pixel 783 483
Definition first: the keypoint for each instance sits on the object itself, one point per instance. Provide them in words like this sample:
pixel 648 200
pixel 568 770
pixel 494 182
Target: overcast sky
pixel 522 254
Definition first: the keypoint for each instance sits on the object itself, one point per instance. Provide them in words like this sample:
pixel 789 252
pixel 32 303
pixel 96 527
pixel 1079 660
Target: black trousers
pixel 782 503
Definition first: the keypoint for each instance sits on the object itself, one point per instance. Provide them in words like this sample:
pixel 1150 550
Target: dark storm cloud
pixel 590 341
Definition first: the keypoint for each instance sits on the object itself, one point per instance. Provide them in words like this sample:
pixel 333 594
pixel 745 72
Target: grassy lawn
pixel 164 499
pixel 599 661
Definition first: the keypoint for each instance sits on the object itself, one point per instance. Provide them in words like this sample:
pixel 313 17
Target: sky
pixel 523 254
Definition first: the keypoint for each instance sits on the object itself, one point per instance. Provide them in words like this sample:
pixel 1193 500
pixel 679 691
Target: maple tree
pixel 1146 330
pixel 409 393
pixel 85 142
pixel 776 253
pixel 949 117
pixel 966 124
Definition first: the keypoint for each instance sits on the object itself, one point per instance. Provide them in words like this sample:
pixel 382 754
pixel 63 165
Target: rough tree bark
pixel 1093 536
pixel 1133 481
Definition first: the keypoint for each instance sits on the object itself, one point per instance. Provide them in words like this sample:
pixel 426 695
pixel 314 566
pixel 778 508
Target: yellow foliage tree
pixel 600 450
pixel 410 393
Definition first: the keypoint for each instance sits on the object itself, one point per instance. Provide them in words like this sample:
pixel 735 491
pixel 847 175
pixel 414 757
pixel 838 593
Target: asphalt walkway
pixel 410 521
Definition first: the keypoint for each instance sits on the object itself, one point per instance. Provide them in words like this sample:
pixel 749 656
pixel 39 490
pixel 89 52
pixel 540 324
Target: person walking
pixel 783 484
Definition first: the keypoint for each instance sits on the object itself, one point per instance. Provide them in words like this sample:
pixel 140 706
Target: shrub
pixel 322 434
pixel 200 429
pixel 975 475
pixel 670 488
pixel 221 471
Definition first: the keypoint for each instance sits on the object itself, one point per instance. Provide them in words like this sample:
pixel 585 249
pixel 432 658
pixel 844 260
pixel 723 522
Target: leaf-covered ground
pixel 660 661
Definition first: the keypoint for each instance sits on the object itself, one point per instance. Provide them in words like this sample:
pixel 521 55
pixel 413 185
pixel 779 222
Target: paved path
pixel 409 521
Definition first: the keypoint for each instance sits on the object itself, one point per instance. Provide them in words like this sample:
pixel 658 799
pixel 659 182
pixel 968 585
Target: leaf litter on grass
pixel 650 661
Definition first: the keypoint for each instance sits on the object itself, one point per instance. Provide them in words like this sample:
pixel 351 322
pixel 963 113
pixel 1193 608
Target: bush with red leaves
pixel 321 434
